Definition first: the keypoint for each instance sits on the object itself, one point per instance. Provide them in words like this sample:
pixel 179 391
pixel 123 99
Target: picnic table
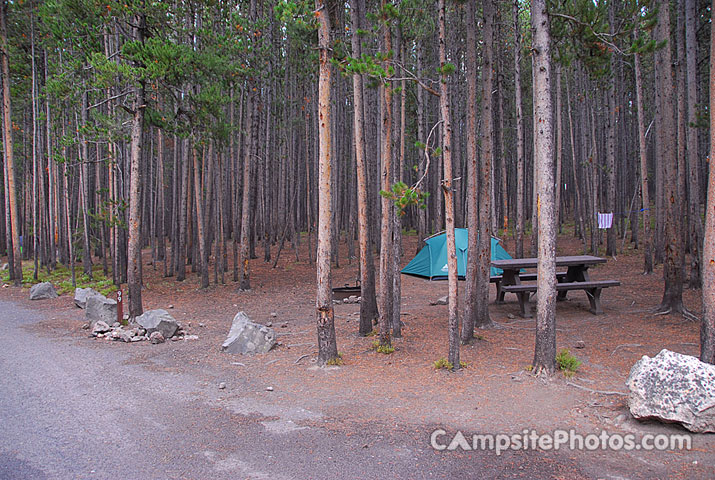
pixel 574 278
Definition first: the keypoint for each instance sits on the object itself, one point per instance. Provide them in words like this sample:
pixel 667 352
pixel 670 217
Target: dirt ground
pixel 494 394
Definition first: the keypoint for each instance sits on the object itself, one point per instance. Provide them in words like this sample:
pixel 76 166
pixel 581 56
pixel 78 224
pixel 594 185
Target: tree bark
pixel 472 270
pixel 696 224
pixel 642 151
pixel 453 356
pixel 666 137
pixel 386 251
pixel 519 250
pixel 134 279
pixel 11 194
pixel 327 343
pixel 707 328
pixel 484 251
pixel 545 345
pixel 368 302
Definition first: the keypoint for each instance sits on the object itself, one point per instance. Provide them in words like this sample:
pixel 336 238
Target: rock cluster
pixel 155 326
pixel 350 299
pixel 673 387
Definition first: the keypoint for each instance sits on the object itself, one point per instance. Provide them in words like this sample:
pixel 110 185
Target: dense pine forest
pixel 208 133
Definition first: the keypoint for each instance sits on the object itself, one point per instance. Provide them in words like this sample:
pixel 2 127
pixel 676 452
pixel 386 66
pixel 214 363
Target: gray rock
pixel 101 308
pixel 81 295
pixel 580 344
pixel 138 338
pixel 5 266
pixel 100 327
pixel 158 321
pixel 221 386
pixel 156 337
pixel 673 387
pixel 246 337
pixel 441 301
pixel 42 291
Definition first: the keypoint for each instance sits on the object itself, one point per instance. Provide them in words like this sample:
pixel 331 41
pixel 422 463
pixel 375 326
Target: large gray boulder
pixel 246 337
pixel 41 291
pixel 158 321
pixel 673 387
pixel 101 308
pixel 81 295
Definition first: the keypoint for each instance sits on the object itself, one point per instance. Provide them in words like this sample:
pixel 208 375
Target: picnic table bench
pixel 575 278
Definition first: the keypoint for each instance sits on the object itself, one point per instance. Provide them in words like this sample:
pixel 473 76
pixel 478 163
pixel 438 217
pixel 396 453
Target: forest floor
pixel 494 394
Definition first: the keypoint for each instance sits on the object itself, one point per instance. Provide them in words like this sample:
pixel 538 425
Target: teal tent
pixel 431 261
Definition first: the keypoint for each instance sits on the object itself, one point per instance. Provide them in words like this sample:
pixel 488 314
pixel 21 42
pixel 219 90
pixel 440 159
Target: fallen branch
pixel 301 358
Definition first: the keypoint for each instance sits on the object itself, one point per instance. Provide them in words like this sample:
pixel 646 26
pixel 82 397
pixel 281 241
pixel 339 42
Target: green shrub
pixel 567 362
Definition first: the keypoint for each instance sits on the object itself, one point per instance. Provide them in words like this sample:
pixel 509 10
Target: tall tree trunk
pixel 201 215
pixel 134 278
pixel 696 224
pixel 519 250
pixel 327 344
pixel 368 302
pixel 707 328
pixel 386 251
pixel 472 270
pixel 642 151
pixel 484 242
pixel 545 345
pixel 10 195
pixel 666 136
pixel 453 356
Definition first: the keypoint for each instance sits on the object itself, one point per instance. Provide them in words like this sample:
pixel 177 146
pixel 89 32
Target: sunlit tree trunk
pixel 10 195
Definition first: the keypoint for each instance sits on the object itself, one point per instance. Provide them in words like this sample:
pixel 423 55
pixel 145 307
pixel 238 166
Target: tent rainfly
pixel 431 261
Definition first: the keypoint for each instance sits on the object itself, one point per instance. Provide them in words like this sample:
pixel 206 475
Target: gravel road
pixel 71 410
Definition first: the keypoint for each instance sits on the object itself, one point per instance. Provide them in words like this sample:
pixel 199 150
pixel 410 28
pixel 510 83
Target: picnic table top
pixel 566 261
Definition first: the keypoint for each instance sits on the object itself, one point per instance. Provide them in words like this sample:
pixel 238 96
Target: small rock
pixel 441 301
pixel 274 314
pixel 85 326
pixel 191 337
pixel 156 337
pixel 201 325
pixel 42 291
pixel 4 267
pixel 170 306
pixel 138 338
pixel 116 325
pixel 269 324
pixel 175 339
pixel 188 324
pixel 269 389
pixel 510 316
pixel 580 344
pixel 337 302
pixel 221 386
pixel 284 325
